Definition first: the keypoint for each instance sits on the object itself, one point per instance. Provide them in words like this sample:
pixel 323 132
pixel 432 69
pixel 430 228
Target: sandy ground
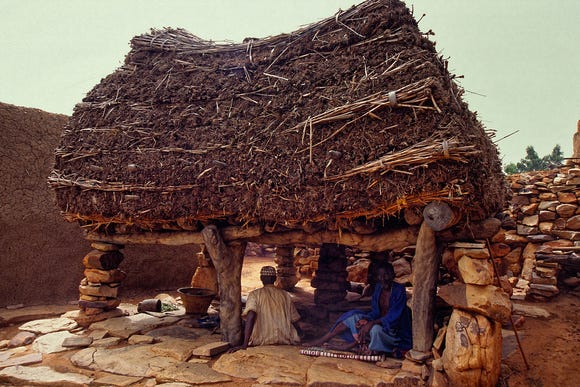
pixel 551 347
pixel 251 272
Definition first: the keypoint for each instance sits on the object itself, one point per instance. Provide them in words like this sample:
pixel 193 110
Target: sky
pixel 520 59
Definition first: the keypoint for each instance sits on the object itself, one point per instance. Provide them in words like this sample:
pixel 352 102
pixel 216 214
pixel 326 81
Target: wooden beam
pixel 173 238
pixel 440 215
pixel 425 270
pixel 228 262
pixel 566 248
pixel 386 240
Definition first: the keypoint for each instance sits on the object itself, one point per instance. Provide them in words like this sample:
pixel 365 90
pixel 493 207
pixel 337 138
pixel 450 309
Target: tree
pixel 555 158
pixel 511 169
pixel 532 162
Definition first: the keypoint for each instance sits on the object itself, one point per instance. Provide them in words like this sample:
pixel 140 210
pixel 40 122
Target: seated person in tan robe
pixel 270 315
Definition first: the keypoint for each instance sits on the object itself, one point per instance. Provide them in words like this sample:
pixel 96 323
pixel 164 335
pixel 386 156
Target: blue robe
pixel 395 330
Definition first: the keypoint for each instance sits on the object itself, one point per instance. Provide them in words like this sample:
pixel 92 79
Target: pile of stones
pixel 472 336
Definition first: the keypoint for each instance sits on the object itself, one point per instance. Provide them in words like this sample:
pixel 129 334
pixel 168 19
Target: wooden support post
pixel 228 262
pixel 425 269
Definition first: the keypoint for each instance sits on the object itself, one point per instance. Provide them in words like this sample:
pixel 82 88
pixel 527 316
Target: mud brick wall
pixel 41 254
pixel 540 235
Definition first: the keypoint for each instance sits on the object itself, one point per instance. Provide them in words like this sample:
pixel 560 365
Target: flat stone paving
pixel 120 355
pixel 168 359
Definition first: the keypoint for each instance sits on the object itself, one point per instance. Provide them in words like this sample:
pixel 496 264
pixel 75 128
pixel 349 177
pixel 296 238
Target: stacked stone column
pixel 473 342
pixel 330 279
pixel 99 288
pixel 285 271
pixel 306 262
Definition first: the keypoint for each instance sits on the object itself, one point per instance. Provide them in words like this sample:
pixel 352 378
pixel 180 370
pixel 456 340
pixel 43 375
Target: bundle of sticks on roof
pixel 350 119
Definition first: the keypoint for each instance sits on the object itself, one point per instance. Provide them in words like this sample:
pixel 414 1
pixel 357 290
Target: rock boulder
pixel 473 346
pixel 489 300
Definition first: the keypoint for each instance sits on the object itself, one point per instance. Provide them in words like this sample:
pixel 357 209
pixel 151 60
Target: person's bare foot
pixel 363 349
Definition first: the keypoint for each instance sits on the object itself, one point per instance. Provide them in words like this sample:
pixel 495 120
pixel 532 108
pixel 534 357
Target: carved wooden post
pixel 425 269
pixel 228 263
pixel 437 216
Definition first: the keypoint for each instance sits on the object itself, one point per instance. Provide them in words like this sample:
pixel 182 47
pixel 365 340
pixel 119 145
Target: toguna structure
pixel 347 132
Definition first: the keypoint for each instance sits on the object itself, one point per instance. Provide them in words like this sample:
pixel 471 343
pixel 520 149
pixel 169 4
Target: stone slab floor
pixel 140 349
pixel 44 346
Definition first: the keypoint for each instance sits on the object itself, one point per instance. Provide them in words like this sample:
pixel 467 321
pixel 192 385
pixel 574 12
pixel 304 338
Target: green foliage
pixel 556 157
pixel 168 307
pixel 511 168
pixel 533 162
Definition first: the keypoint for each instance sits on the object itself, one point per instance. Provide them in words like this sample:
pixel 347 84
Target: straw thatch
pixel 352 118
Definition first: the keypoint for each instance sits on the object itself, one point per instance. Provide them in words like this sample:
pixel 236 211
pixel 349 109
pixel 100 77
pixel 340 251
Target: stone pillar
pixel 99 288
pixel 575 147
pixel 330 280
pixel 306 262
pixel 473 343
pixel 285 271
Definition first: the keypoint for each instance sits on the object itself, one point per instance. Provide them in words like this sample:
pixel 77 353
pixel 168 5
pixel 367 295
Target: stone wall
pixel 538 244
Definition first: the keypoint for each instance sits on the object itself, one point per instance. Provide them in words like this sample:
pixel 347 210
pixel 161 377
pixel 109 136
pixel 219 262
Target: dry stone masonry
pixel 285 271
pixel 473 339
pixel 306 261
pixel 331 276
pixel 99 288
pixel 540 236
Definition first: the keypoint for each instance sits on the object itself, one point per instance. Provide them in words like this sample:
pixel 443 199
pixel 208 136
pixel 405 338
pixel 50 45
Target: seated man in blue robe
pixel 386 329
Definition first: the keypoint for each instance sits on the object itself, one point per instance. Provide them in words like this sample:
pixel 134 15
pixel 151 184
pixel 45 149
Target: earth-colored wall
pixel 41 254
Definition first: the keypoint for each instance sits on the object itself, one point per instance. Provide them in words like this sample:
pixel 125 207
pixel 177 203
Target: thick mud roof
pixel 352 118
